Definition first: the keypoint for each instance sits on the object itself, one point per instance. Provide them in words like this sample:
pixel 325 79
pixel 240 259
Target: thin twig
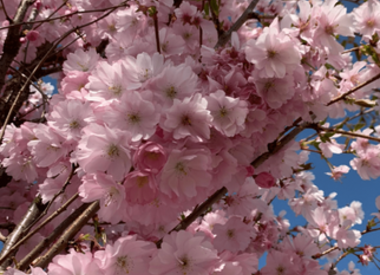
pixel 69 233
pixel 239 22
pixel 158 45
pixel 198 211
pixel 62 227
pixel 2 238
pixel 124 4
pixel 279 145
pixel 352 134
pixel 33 212
pixel 46 221
pixel 352 50
pixel 60 192
pixel 221 192
pixel 342 96
pixel 5 12
pixel 41 62
pixel 12 41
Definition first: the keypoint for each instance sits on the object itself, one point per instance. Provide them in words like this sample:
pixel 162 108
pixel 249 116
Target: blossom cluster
pixel 161 120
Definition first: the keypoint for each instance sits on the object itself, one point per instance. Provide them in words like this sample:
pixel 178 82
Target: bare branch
pixel 346 133
pixel 5 11
pixel 68 234
pixel 219 194
pixel 12 42
pixel 28 259
pixel 197 212
pixel 342 96
pixel 279 145
pixel 33 212
pixel 36 68
pixel 239 22
pixel 49 219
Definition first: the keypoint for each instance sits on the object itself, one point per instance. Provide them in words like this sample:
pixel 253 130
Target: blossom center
pixel 116 90
pixel 133 118
pixel 280 270
pixel 113 151
pixel 124 263
pixel 74 124
pixel 329 30
pixel 370 23
pixel 230 233
pixel 171 92
pixel 142 181
pixel 186 120
pixel 223 111
pixel 184 264
pixel 180 167
pixel 111 196
pixel 271 53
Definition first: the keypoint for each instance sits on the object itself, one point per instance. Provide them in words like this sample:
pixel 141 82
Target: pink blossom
pixel 140 187
pixel 174 82
pixel 330 148
pixel 337 172
pixel 347 238
pixel 150 157
pixel 69 117
pixel 126 256
pixel 280 263
pixel 32 35
pixel 188 118
pixel 332 20
pixel 111 195
pixel 48 147
pixel 103 149
pixel 74 263
pixel 134 113
pixel 368 164
pixel 109 81
pixel 144 67
pixel 186 173
pixel 273 53
pixel 274 91
pixel 366 18
pixel 170 43
pixel 81 61
pixel 234 236
pixel 265 180
pixel 228 113
pixel 183 253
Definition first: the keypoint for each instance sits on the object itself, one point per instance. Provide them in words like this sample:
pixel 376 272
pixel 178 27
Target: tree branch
pixel 342 96
pixel 279 145
pixel 36 68
pixel 12 42
pixel 239 22
pixel 33 212
pixel 28 259
pixel 69 233
pixel 221 192
pixel 50 218
pixel 197 212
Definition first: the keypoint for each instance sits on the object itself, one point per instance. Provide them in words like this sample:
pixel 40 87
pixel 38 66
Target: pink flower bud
pixel 22 40
pixel 37 4
pixel 265 180
pixel 32 35
pixel 150 157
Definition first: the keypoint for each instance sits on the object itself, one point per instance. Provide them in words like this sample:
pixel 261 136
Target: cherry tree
pixel 174 125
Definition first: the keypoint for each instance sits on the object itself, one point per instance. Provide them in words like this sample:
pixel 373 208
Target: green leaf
pixel 207 9
pixel 359 126
pixel 214 7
